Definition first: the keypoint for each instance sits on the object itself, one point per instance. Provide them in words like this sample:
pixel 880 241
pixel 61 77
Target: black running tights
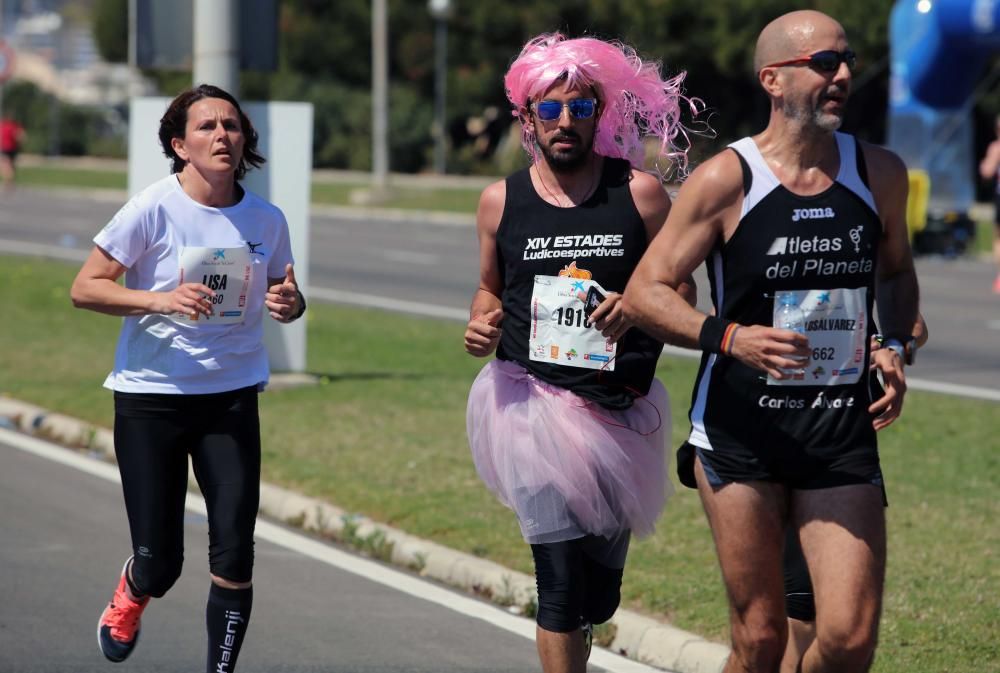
pixel 154 433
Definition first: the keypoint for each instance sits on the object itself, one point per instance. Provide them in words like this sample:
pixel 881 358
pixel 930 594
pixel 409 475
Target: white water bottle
pixel 790 316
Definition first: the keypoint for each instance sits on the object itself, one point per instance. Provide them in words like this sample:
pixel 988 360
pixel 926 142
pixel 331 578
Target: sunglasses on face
pixel 579 108
pixel 824 61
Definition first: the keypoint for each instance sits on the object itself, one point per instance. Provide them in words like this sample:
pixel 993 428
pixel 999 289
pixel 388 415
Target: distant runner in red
pixel 11 140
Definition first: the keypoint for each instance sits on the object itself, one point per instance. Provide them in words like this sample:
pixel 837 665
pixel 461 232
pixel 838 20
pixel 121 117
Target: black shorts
pixel 10 154
pixel 854 470
pixel 996 210
pixel 798 472
pixel 795 470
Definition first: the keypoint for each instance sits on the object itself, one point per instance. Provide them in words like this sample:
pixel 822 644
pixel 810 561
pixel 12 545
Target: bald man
pixel 803 231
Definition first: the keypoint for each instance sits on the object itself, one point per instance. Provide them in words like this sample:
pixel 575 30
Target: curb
pixel 636 636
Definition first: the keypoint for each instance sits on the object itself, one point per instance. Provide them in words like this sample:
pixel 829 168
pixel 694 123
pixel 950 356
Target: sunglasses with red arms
pixel 825 61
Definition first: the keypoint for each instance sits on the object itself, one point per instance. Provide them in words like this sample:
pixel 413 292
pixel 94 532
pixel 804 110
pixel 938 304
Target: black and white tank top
pixel 603 240
pixel 820 253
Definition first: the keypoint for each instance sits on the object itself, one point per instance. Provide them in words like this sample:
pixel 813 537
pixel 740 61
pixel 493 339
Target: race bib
pixel 227 271
pixel 560 333
pixel 836 322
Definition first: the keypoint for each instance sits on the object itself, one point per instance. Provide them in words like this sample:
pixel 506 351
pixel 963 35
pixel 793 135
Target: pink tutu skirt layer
pixel 567 466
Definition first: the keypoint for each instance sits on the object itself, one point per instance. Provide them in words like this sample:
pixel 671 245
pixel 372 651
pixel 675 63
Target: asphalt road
pixel 420 265
pixel 65 537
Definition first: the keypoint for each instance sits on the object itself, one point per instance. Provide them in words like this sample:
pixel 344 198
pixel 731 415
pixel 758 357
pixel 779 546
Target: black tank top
pixel 789 242
pixel 604 235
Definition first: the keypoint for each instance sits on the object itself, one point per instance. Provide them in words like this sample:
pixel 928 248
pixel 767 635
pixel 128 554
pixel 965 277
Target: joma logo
pixel 812 214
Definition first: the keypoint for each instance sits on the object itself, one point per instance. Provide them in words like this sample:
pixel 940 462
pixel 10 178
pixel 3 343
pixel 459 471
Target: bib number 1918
pixel 571 317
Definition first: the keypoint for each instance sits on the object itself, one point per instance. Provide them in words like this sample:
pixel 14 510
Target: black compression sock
pixel 226 618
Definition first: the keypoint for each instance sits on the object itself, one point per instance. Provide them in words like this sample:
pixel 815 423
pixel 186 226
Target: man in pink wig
pixel 803 229
pixel 567 425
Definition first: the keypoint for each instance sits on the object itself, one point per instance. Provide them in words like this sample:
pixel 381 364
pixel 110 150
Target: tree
pixel 110 29
pixel 325 58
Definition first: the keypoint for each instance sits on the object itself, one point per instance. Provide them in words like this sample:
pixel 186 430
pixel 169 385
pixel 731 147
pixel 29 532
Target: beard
pixel 567 161
pixel 806 111
pixel 828 121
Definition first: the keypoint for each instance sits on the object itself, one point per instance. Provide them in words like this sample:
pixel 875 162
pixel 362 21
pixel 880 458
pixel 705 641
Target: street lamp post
pixel 441 11
pixel 380 99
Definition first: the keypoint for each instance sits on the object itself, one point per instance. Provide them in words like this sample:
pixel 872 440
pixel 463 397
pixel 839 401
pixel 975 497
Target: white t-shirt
pixel 171 354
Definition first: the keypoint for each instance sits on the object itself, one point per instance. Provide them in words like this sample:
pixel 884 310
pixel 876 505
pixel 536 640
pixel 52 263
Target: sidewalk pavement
pixel 636 636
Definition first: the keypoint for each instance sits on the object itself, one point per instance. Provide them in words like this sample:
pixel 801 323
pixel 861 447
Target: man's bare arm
pixel 482 334
pixel 653 298
pixel 897 292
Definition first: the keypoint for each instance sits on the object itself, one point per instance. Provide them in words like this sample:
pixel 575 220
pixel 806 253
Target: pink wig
pixel 635 101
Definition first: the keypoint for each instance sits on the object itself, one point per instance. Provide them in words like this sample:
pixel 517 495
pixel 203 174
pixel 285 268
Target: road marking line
pixel 332 556
pixel 399 305
pixel 952 389
pixel 43 250
pixel 410 257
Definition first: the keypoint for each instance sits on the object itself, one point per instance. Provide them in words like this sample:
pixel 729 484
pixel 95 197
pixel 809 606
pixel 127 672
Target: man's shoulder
pixel 493 191
pixel 491 204
pixel 879 158
pixel 721 175
pixel 885 169
pixel 643 184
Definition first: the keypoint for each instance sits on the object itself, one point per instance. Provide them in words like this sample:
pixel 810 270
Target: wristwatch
pixel 896 345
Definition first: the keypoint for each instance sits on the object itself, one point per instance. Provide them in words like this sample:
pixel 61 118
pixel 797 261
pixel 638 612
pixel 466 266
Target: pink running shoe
pixel 996 284
pixel 118 627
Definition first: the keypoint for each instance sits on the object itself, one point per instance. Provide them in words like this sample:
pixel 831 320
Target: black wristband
pixel 712 332
pixel 302 305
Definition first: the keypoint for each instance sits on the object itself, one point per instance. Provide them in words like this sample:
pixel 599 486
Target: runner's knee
pixel 849 649
pixel 759 641
pixel 233 562
pixel 603 593
pixel 154 577
pixel 573 587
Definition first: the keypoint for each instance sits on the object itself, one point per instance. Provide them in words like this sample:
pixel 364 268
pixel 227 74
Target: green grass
pixel 983 240
pixel 384 435
pixel 50 176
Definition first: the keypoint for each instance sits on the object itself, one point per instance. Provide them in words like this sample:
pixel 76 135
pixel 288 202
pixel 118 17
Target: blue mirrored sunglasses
pixel 824 61
pixel 579 108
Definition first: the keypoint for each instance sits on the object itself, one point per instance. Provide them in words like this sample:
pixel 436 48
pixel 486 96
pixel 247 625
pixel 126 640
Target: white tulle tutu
pixel 567 466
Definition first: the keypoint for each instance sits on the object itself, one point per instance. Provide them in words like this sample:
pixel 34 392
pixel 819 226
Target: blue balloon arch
pixel 939 50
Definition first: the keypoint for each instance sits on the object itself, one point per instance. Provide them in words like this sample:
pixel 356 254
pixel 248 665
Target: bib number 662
pixel 824 353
